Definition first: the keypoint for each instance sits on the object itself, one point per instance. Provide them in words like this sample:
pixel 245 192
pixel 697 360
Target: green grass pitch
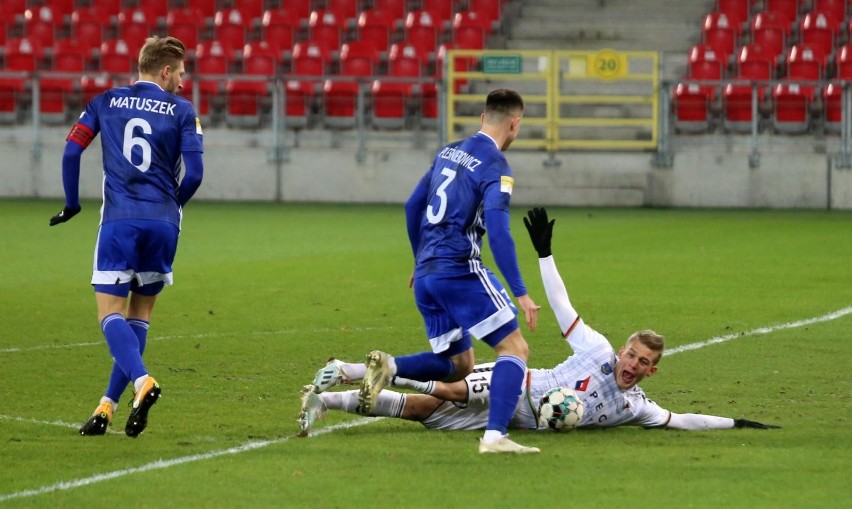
pixel 265 293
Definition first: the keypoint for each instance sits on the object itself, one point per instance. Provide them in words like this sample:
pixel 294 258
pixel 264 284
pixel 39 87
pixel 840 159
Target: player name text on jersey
pixel 142 104
pixel 461 157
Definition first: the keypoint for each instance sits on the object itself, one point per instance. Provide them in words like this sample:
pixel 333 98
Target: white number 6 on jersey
pixel 130 141
pixel 436 217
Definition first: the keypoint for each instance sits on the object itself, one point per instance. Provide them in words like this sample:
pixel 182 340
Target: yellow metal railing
pixel 597 100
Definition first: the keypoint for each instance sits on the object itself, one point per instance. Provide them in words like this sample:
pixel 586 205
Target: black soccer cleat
pixel 142 402
pixel 98 422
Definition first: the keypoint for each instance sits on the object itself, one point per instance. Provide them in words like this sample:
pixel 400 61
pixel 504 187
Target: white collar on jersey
pixel 490 138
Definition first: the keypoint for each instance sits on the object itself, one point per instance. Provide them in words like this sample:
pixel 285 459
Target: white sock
pixel 112 403
pixel 491 436
pixel 388 404
pixel 354 371
pixel 421 387
pixel 137 384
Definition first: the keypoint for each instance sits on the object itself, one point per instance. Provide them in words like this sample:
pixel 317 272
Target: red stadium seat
pixel 340 96
pixel 805 62
pixel 358 58
pixel 736 11
pixel 843 62
pixel 134 26
pixel 819 29
pixel 691 108
pixel 56 91
pixel 491 9
pixel 40 25
pixel 443 10
pixel 340 103
pixel 376 27
pixel 87 27
pixel 117 57
pixel 311 61
pixel 756 65
pixel 212 64
pixel 229 29
pixel 107 8
pixel 325 29
pixel 720 33
pixel 470 18
pixel 704 63
pixel 92 85
pixel 207 8
pixel 404 60
pixel 791 110
pixel 837 8
pixel 769 34
pixel 280 28
pixel 20 56
pixel 343 9
pixel 390 103
pixel 247 99
pixel 184 23
pixel 832 97
pixel 467 35
pixel 396 8
pixel 421 31
pixel 788 10
pixel 298 97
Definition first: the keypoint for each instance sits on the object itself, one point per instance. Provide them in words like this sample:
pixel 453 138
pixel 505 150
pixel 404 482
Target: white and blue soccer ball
pixel 561 409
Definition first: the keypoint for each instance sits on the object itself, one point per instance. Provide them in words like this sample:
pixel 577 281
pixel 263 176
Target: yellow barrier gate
pixel 596 100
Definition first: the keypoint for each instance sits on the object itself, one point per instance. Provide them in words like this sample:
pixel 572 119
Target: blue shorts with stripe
pixel 137 251
pixel 454 307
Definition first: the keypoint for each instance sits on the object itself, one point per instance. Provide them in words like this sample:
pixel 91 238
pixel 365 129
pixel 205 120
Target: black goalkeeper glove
pixel 743 423
pixel 64 215
pixel 541 231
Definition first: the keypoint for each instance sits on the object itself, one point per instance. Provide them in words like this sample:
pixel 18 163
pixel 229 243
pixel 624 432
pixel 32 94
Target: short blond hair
pixel 653 341
pixel 159 52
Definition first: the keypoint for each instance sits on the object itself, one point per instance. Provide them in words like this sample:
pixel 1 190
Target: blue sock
pixel 123 345
pixel 424 366
pixel 506 384
pixel 117 379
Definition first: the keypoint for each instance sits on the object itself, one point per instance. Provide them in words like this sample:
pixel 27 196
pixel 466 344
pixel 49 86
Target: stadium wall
pixel 318 174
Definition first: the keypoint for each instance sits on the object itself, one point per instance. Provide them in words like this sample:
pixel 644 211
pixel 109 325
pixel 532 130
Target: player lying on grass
pixel 605 380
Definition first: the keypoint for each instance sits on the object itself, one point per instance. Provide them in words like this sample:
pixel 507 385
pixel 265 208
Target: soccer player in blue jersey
pixel 606 380
pixel 146 131
pixel 467 188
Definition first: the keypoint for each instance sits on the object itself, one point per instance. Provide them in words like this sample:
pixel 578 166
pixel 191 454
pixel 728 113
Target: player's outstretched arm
pixel 698 422
pixel 540 229
pixel 70 182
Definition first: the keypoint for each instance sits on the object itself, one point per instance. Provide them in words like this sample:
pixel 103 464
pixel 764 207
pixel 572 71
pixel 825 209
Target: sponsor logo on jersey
pixel 606 369
pixel 582 385
pixel 506 184
pixel 198 126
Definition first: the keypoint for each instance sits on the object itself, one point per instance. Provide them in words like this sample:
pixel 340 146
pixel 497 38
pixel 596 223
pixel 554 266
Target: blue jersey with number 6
pixel 143 130
pixel 467 178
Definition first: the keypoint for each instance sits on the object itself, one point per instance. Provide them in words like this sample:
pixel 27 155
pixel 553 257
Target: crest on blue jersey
pixel 606 368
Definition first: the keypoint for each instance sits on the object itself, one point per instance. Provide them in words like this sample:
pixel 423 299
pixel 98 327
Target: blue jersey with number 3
pixel 143 130
pixel 466 179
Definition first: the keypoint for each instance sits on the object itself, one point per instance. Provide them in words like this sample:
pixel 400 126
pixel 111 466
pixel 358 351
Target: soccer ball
pixel 561 409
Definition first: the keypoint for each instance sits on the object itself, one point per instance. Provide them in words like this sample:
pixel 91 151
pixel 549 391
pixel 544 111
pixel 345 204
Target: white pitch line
pixel 249 446
pixel 196 336
pixel 161 464
pixel 834 315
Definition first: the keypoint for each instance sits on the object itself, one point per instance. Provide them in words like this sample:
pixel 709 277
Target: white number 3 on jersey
pixel 431 215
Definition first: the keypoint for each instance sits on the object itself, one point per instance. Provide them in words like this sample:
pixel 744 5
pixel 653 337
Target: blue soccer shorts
pixel 135 252
pixel 455 305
